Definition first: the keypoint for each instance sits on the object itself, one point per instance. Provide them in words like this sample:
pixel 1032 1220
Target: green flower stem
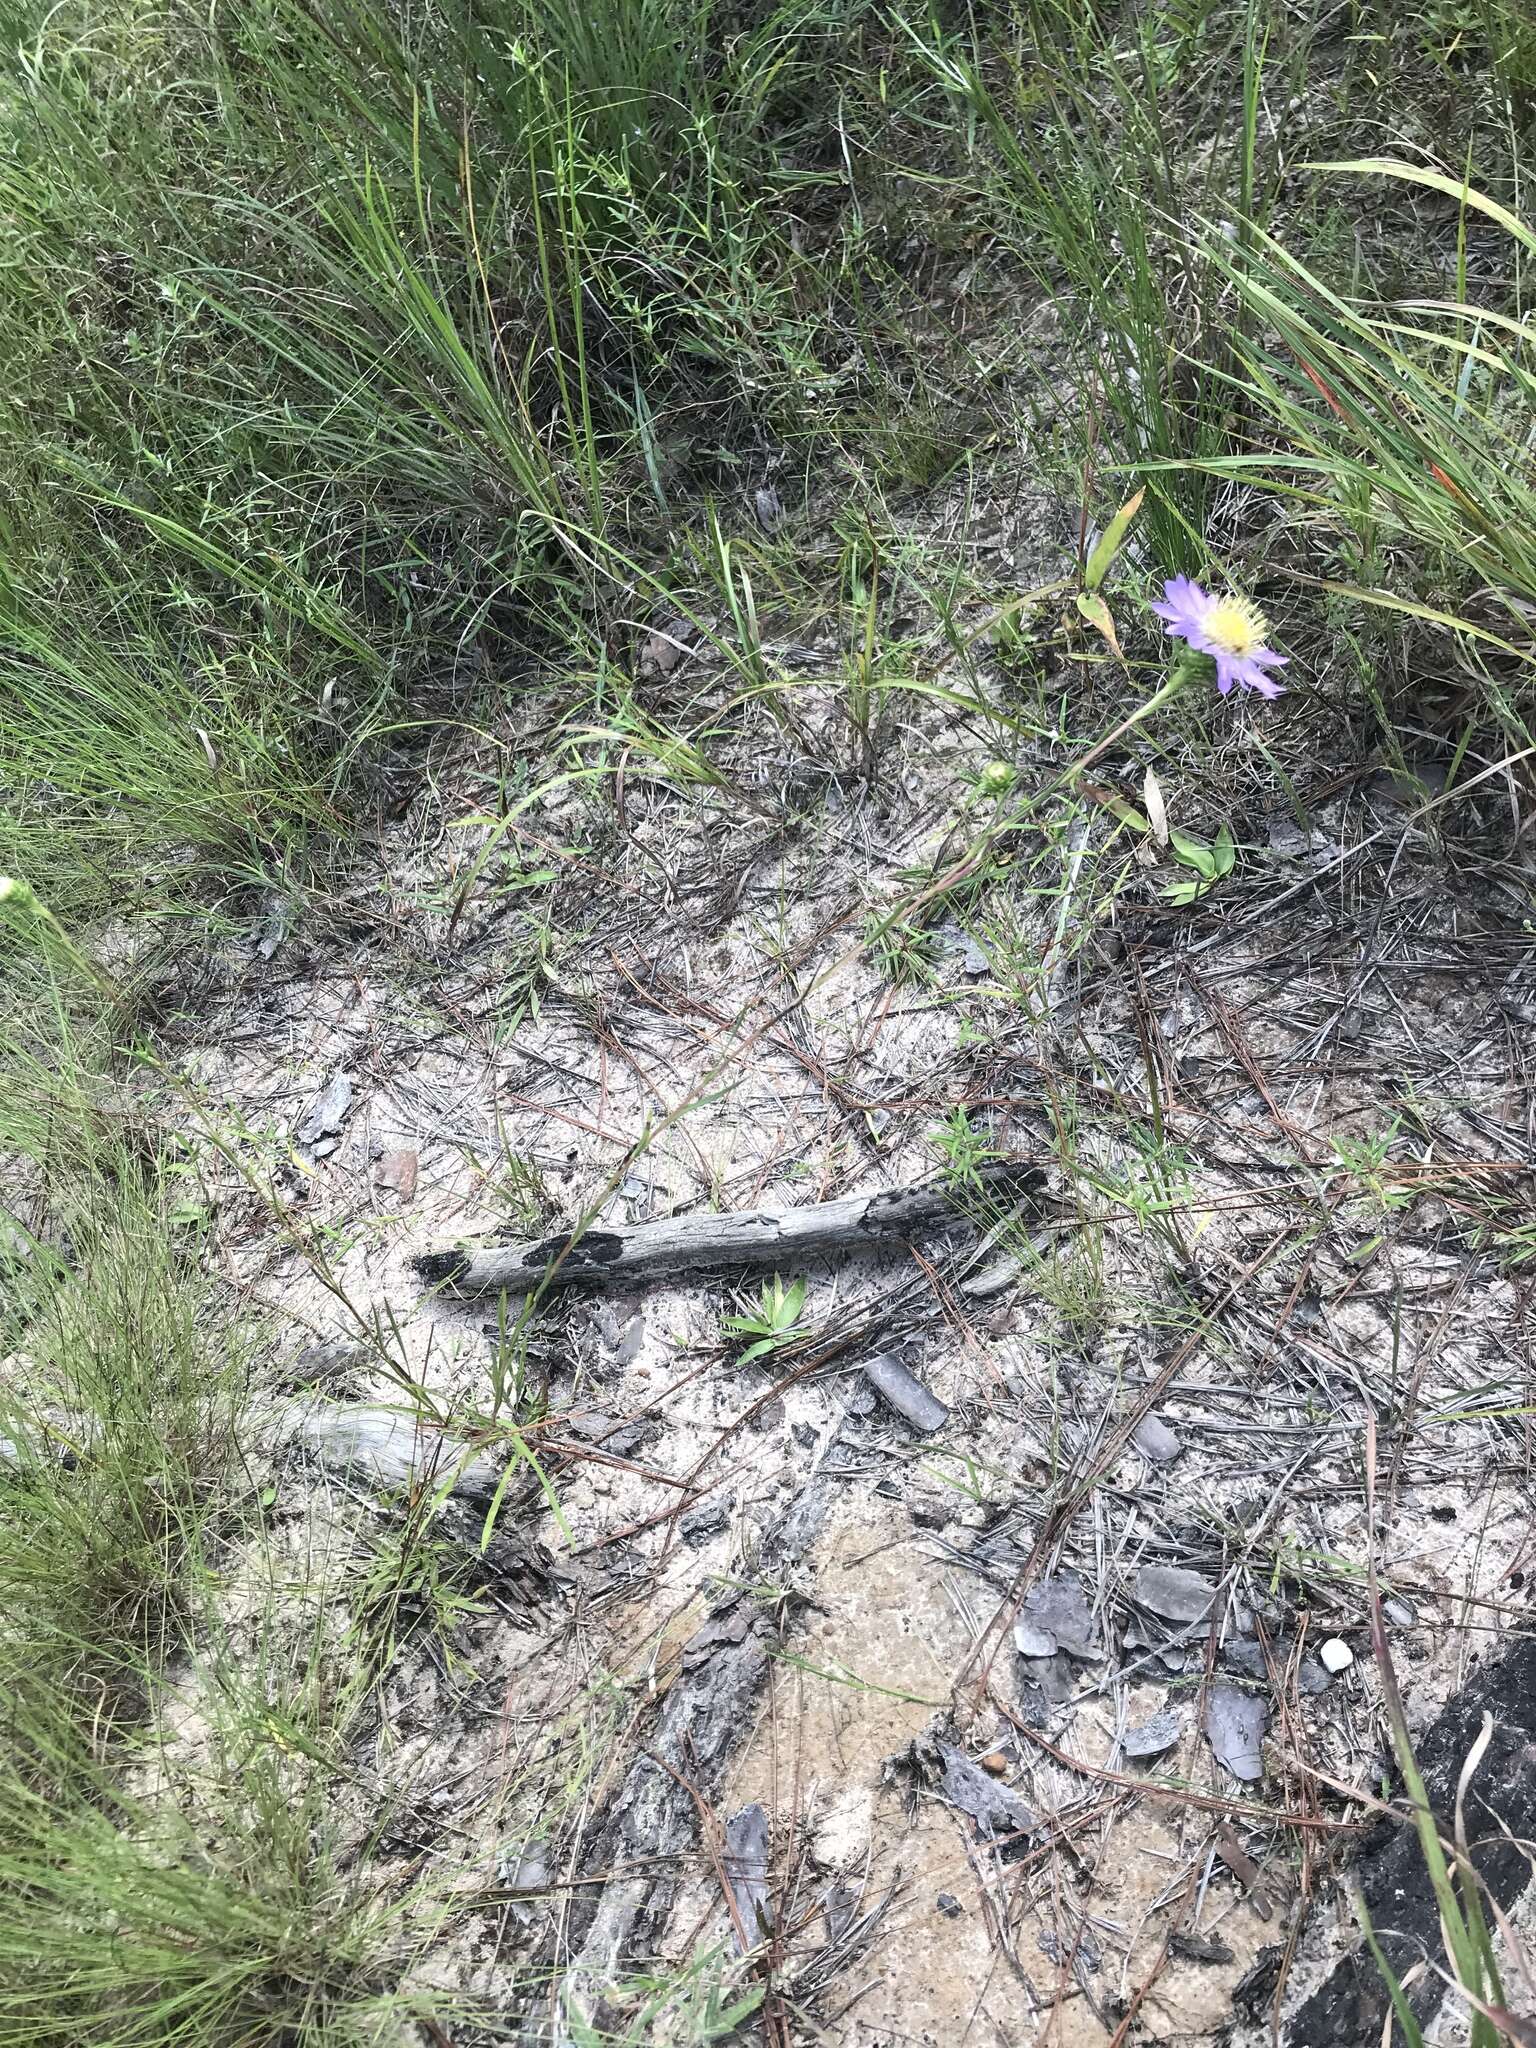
pixel 1175 683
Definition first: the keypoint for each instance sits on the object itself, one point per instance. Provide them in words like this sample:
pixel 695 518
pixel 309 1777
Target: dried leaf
pixel 1244 1869
pixel 745 1863
pixel 317 1134
pixel 1234 1725
pixel 769 507
pixel 276 926
pixel 1030 1641
pixel 1175 1594
pixel 1195 1948
pixel 1156 809
pixel 995 1809
pixel 839 1905
pixel 397 1171
pixel 1057 1614
pixel 1055 1678
pixel 1097 613
pixel 665 646
pixel 1154 1736
pixel 523 1867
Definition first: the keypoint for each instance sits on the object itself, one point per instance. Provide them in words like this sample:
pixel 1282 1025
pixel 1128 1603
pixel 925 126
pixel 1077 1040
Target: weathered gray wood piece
pixel 639 1844
pixel 384 1446
pixel 747 1237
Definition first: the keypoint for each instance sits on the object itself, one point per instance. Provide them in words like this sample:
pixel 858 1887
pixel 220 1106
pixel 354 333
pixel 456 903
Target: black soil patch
pixel 1351 2005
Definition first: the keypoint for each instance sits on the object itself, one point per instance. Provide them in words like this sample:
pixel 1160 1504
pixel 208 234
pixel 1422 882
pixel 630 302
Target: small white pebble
pixel 1336 1656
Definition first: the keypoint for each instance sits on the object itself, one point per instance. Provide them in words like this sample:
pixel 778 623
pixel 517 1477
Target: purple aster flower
pixel 1230 629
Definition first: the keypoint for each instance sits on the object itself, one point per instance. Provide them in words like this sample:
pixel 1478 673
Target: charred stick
pixel 747 1237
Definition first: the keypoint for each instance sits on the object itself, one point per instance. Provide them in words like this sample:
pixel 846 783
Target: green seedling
pixel 412 1584
pixel 1365 1161
pixel 772 1323
pixel 700 2004
pixel 903 952
pixel 1210 863
pixel 965 1150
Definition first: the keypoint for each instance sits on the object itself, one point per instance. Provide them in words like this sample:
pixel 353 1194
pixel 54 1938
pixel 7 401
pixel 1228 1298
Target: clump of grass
pixel 1098 180
pixel 117 1406
pixel 965 1151
pixel 138 1903
pixel 1402 434
pixel 340 348
pixel 213 1912
pixel 698 2006
pixel 173 1863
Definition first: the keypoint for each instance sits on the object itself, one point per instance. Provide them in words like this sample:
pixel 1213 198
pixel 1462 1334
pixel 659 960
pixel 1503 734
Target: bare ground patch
pixel 1289 1139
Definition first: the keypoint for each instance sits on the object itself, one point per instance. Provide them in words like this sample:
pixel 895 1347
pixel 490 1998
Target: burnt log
pixel 602 1257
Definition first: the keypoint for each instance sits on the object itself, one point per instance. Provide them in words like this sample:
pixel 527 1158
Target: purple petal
pixel 1251 671
pixel 1182 606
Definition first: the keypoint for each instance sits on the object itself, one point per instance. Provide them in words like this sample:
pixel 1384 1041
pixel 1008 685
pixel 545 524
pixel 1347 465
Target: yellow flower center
pixel 1235 625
